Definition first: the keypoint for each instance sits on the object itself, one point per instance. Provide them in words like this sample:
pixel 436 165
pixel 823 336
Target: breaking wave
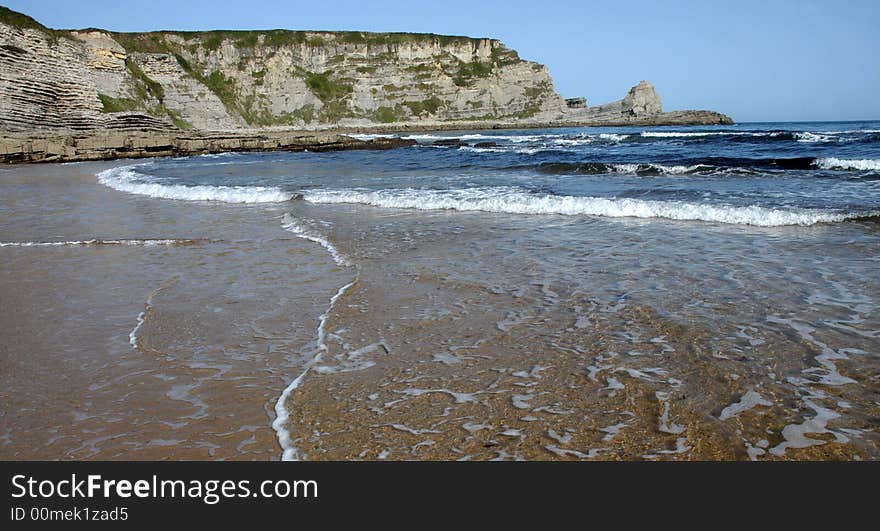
pixel 705 166
pixel 125 179
pixel 806 137
pixel 516 201
pixel 832 163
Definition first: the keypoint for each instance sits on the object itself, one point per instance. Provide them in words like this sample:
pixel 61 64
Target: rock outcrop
pixel 642 106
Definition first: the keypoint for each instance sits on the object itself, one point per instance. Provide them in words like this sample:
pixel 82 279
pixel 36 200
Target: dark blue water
pixel 765 174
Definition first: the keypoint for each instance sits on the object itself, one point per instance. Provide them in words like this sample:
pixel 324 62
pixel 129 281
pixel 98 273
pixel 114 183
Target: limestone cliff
pixel 254 79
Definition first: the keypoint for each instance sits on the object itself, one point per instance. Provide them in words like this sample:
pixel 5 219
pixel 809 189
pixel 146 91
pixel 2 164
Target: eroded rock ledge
pixel 52 148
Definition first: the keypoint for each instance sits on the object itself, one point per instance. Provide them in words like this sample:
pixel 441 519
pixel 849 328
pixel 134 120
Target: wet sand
pixel 219 337
pixel 527 346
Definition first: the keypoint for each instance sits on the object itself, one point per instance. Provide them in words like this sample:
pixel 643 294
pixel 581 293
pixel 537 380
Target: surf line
pixel 148 309
pixel 282 414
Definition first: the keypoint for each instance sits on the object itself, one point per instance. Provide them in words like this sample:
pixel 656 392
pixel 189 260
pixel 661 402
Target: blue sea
pixel 767 174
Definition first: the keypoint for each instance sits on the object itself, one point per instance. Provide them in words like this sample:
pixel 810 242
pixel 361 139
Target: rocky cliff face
pixel 218 80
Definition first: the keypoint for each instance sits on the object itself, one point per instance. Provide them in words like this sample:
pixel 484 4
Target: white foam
pixel 352 361
pixel 143 242
pixel 826 359
pixel 290 224
pixel 747 402
pixel 521 401
pixel 407 429
pixel 665 425
pixel 482 149
pixel 561 439
pixel 694 134
pixel 132 336
pixel 460 398
pixel 472 427
pixel 812 138
pixel 680 448
pixel 832 163
pixel 565 452
pixel 612 431
pixel 361 136
pixel 282 414
pixel 613 385
pixel 514 201
pixel 125 179
pixel 796 434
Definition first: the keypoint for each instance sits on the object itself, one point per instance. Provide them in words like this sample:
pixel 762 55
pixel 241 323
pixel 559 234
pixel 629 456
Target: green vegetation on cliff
pixel 19 20
pixel 22 21
pixel 428 106
pixel 110 104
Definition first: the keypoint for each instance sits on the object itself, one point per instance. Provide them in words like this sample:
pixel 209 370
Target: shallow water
pixel 565 294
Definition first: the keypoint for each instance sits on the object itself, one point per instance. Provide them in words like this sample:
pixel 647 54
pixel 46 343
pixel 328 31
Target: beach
pixel 620 293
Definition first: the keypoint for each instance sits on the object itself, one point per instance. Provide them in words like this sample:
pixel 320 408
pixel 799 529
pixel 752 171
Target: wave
pixel 473 149
pixel 591 168
pixel 808 137
pixel 832 163
pixel 704 166
pixel 143 242
pixel 479 137
pixel 548 140
pixel 516 201
pixel 692 134
pixel 813 138
pixel 367 136
pixel 125 179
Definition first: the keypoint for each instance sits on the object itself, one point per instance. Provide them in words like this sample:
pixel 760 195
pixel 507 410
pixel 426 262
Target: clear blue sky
pixel 754 60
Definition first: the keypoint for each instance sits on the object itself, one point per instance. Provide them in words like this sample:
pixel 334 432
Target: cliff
pixel 220 80
pixel 80 82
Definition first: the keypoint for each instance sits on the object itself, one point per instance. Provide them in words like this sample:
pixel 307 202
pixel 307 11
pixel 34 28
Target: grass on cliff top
pixel 19 20
pixel 156 42
pixel 142 42
pixel 22 21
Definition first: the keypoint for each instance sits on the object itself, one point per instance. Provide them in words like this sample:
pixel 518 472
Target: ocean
pixel 584 293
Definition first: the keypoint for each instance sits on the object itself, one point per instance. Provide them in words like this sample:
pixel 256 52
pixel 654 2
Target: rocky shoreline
pixel 120 145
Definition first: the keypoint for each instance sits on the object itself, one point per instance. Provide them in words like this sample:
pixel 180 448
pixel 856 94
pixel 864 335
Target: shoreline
pixel 46 147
